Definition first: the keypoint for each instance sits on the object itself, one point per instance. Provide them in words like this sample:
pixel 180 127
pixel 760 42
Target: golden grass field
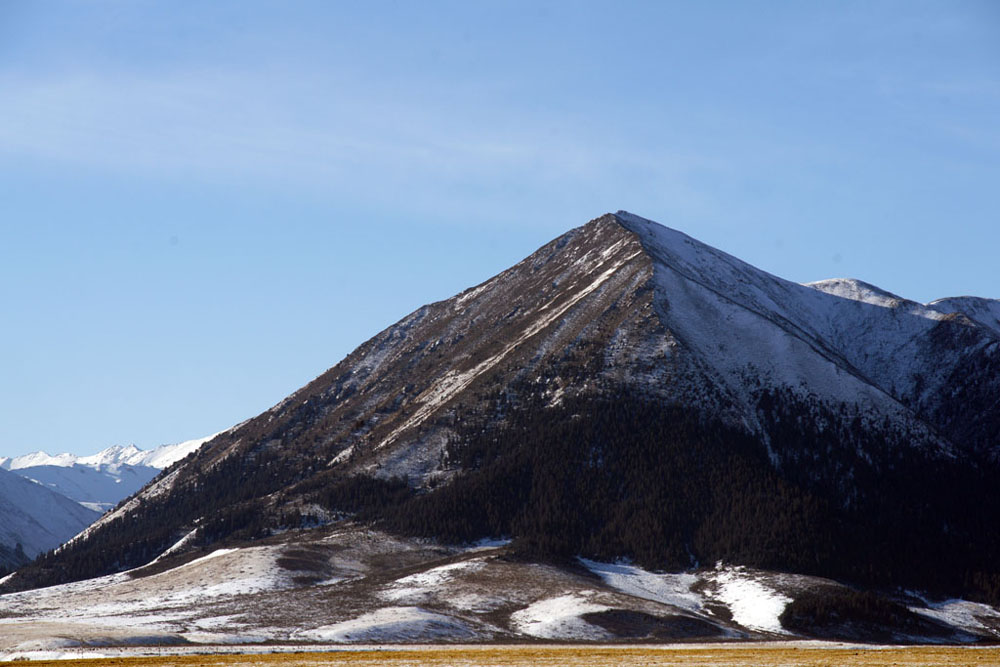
pixel 734 655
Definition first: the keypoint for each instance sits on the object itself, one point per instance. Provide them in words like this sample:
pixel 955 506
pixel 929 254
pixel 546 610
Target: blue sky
pixel 205 205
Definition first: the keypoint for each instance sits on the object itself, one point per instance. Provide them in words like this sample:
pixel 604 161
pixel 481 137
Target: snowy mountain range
pixel 624 394
pixel 34 519
pixel 117 455
pixel 45 500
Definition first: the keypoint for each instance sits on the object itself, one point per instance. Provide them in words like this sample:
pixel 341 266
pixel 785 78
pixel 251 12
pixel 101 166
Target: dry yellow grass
pixel 512 656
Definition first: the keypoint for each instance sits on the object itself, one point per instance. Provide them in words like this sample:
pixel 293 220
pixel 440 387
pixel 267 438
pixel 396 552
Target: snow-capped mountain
pixel 35 518
pixel 36 459
pixel 100 481
pixel 45 499
pixel 624 392
pixel 117 455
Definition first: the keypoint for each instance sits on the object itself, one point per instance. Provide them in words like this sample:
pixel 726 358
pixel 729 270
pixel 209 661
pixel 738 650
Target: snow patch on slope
pixel 160 603
pixel 392 624
pixel 752 604
pixel 962 614
pixel 860 291
pixel 154 490
pixel 559 618
pixel 176 546
pixel 422 585
pixel 672 589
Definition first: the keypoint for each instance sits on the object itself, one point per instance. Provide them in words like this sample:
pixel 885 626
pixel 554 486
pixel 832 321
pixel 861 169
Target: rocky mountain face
pixel 624 392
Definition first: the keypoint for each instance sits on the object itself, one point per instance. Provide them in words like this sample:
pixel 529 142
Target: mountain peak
pixel 625 391
pixel 983 311
pixel 859 290
pixel 39 458
pixel 113 455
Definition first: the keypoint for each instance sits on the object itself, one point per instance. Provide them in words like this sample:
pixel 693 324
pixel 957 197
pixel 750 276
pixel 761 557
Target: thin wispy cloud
pixel 853 139
pixel 224 125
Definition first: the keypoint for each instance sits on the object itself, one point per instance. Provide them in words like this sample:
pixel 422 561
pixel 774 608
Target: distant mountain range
pixel 34 519
pixel 626 394
pixel 45 500
pixel 117 455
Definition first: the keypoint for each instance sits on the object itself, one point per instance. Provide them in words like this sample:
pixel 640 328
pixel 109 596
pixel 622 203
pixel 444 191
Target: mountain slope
pixel 35 517
pixel 867 346
pixel 100 481
pixel 98 487
pixel 351 584
pixel 97 483
pixel 625 391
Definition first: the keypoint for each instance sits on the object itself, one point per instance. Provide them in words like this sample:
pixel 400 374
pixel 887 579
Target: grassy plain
pixel 515 656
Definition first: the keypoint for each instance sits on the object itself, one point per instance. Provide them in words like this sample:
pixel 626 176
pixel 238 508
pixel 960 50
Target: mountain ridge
pixel 98 482
pixel 159 457
pixel 605 364
pixel 34 519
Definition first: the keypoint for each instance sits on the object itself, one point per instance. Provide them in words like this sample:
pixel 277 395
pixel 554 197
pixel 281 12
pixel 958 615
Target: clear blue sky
pixel 205 205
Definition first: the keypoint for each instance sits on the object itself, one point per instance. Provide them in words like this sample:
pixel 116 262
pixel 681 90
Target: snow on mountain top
pixel 117 455
pixel 857 290
pixel 841 340
pixel 687 254
pixel 720 269
pixel 165 456
pixel 37 459
pixel 984 311
pixel 114 455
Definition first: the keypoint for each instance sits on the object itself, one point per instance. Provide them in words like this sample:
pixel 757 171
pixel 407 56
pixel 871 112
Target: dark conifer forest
pixel 624 477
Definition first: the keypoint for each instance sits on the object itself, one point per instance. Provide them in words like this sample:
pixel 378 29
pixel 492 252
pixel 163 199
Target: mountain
pixel 34 519
pixel 625 392
pixel 102 480
pixel 40 512
pixel 160 457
